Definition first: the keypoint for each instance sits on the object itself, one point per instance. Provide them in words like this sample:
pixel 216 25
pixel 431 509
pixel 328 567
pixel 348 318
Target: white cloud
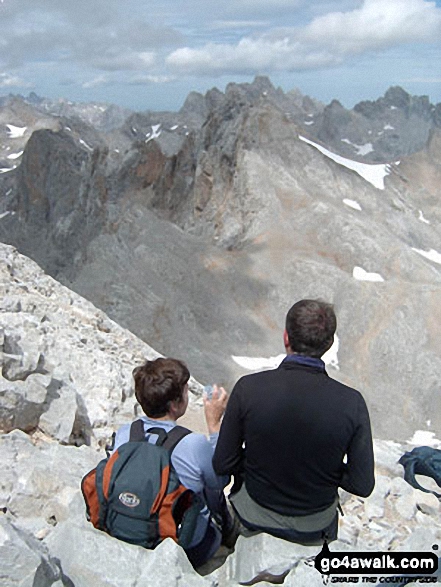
pixel 109 37
pixel 11 81
pixel 114 61
pixel 101 80
pixel 377 24
pixel 151 79
pixel 423 80
pixel 327 40
pixel 248 56
pixel 238 24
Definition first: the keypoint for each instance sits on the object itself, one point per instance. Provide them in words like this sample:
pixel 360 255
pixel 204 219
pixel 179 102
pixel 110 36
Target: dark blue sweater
pixel 297 425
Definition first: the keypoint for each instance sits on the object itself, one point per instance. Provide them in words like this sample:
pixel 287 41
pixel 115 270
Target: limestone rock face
pixel 65 387
pixel 198 230
pixel 65 366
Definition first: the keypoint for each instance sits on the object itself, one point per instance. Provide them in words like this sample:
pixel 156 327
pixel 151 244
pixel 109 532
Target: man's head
pixel 310 327
pixel 161 387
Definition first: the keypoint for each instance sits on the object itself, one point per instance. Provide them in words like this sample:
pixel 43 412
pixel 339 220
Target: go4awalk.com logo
pixel 422 564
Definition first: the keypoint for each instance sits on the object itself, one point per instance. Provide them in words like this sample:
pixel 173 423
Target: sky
pixel 148 55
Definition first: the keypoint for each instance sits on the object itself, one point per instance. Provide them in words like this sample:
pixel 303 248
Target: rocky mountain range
pixel 197 230
pixel 65 385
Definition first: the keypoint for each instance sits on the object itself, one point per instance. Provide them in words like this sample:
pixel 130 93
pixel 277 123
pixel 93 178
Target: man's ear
pixel 286 340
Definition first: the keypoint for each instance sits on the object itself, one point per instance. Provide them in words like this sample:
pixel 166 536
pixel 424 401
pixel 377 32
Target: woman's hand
pixel 214 408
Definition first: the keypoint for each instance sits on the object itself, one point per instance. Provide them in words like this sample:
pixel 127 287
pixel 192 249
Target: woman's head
pixel 159 384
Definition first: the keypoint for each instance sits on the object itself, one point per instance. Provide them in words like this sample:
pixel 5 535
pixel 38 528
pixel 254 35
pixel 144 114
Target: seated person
pixel 161 389
pixel 294 435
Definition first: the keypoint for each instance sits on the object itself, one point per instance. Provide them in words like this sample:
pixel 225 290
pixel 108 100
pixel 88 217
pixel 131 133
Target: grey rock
pixel 116 563
pixel 406 506
pixel 304 575
pixel 22 402
pixel 40 484
pixel 21 354
pixel 349 529
pixel 23 561
pixel 262 556
pixel 427 503
pixel 250 219
pixel 58 421
pixel 65 357
pixel 399 487
pixel 374 507
pixel 387 454
pixel 421 539
pixel 44 513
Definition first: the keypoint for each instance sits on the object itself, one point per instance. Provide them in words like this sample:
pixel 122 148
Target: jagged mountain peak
pixel 181 225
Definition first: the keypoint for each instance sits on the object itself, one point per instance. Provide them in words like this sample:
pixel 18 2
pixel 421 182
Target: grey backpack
pixel 135 494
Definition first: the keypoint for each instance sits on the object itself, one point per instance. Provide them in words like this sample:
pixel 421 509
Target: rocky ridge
pixel 65 385
pixel 200 245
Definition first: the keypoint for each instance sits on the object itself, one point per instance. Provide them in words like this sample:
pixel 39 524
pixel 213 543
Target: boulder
pixel 24 562
pixel 90 557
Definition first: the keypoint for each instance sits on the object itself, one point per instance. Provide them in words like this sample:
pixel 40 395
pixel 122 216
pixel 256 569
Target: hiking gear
pixel 135 494
pixel 422 460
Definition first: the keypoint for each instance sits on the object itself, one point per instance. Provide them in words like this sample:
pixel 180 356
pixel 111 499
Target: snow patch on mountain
pixel 155 133
pixel 421 217
pixel 361 275
pixel 88 147
pixel 374 174
pixel 261 363
pixel 361 149
pixel 331 357
pixel 424 438
pixel 432 255
pixel 258 363
pixel 15 155
pixel 352 204
pixel 15 132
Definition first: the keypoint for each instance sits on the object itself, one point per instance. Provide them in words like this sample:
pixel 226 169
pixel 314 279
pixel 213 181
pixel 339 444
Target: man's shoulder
pixel 343 387
pixel 254 380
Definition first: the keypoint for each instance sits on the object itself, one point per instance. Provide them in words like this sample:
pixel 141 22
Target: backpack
pixel 135 494
pixel 422 460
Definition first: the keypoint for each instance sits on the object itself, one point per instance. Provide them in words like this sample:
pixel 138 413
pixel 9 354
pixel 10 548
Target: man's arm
pixel 228 455
pixel 358 474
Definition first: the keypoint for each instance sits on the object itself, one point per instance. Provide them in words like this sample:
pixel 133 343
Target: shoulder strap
pixel 137 433
pixel 175 435
pixel 168 440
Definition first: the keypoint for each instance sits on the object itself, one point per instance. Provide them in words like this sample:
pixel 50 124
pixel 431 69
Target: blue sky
pixel 150 55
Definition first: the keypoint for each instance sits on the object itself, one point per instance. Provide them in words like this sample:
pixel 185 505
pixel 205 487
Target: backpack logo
pixel 129 499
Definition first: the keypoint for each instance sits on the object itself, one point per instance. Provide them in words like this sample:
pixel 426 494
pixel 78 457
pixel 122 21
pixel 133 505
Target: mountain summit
pixel 198 229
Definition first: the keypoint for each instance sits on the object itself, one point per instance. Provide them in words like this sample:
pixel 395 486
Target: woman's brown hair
pixel 158 383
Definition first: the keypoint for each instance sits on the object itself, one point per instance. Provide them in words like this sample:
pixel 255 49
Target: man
pixel 294 435
pixel 161 389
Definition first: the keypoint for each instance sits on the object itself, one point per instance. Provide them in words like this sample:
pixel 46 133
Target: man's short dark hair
pixel 158 383
pixel 311 325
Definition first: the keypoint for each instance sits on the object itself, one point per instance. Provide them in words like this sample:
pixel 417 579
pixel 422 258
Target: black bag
pixel 422 460
pixel 135 494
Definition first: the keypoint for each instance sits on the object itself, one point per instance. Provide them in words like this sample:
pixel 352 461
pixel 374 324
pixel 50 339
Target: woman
pixel 161 388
